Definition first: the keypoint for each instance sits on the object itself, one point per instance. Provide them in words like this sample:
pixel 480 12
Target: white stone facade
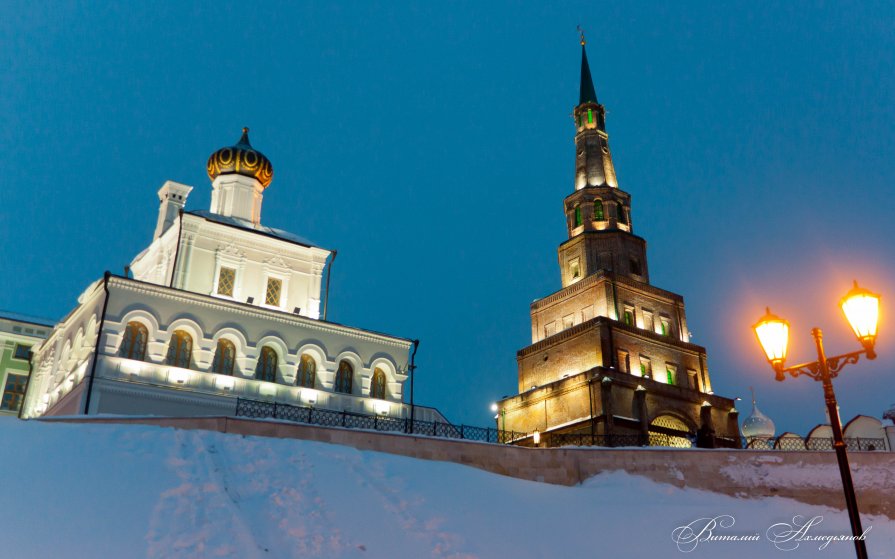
pixel 152 387
pixel 215 283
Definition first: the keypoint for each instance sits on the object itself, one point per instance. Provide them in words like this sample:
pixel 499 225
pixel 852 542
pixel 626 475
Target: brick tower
pixel 611 356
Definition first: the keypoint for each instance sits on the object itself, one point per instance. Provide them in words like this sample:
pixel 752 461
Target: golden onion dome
pixel 241 159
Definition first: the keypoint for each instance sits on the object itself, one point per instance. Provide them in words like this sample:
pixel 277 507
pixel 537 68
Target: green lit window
pixel 590 116
pixel 599 214
pixel 578 220
pixel 666 328
pixel 646 368
pixel 580 121
pixel 13 392
pixel 629 318
pixel 670 374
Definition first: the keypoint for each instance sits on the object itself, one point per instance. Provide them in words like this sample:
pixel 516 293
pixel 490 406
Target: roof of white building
pixel 249 226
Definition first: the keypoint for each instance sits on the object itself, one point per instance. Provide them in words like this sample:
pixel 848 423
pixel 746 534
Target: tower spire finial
pixel 581 32
pixel 587 92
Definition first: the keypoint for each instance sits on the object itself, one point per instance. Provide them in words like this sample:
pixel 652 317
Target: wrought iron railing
pixel 351 420
pixel 853 444
pixel 329 418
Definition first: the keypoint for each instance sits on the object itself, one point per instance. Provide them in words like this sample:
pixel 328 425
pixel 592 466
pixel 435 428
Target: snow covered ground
pixel 114 491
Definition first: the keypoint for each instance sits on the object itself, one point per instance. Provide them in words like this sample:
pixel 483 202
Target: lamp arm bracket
pixel 810 369
pixel 837 362
pixel 834 365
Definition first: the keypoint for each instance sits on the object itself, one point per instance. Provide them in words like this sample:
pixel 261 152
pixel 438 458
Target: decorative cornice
pixel 230 249
pixel 277 263
pixel 245 309
pixel 604 275
pixel 601 322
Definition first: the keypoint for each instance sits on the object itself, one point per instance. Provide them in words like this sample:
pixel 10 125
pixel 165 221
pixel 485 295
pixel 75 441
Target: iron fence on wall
pixel 329 418
pixel 351 420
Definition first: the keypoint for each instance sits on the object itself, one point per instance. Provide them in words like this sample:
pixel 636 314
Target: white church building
pixel 219 307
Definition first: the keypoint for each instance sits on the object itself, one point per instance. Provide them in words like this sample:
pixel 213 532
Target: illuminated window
pixel 580 120
pixel 180 349
pixel 226 281
pixel 590 116
pixel 646 367
pixel 133 346
pixel 629 315
pixel 666 326
pixel 13 392
pixel 671 374
pixel 224 358
pixel 274 290
pixel 377 385
pixel 575 268
pixel 266 369
pixel 648 323
pixel 578 220
pixel 550 329
pixel 307 371
pixel 344 377
pixel 599 213
pixel 21 351
pixel 568 321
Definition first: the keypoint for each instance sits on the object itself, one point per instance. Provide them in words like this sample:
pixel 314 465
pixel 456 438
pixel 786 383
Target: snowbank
pixel 115 491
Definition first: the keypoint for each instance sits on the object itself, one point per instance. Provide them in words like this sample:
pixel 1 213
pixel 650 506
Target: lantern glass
pixel 773 335
pixel 861 308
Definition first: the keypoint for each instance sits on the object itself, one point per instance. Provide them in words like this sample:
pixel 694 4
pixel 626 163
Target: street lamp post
pixel 499 414
pixel 861 308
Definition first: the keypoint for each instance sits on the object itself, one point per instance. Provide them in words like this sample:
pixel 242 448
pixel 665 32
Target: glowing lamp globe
pixel 773 335
pixel 861 308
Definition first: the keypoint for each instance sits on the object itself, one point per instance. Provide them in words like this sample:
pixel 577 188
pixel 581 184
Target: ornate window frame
pixel 276 268
pixel 229 257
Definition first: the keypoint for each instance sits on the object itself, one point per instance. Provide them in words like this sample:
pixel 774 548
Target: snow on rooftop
pixel 128 491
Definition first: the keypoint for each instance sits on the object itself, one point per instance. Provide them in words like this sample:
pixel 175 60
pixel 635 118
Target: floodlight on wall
pixel 296 310
pixel 250 300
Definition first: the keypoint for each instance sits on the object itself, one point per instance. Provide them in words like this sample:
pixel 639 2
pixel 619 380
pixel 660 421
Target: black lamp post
pixel 861 308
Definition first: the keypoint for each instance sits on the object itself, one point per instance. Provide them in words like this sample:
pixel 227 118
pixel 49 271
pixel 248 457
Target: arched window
pixel 578 220
pixel 307 371
pixel 344 377
pixel 599 213
pixel 377 385
pixel 180 349
pixel 133 346
pixel 267 365
pixel 224 358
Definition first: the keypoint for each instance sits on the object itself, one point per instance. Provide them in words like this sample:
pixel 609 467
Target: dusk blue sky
pixel 432 145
